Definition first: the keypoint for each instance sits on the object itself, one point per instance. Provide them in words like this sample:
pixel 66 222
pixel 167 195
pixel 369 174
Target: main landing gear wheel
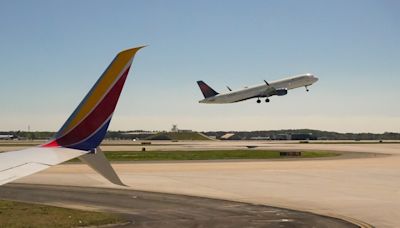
pixel 258 101
pixel 267 100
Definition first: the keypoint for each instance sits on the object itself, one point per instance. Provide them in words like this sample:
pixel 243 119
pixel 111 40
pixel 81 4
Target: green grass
pixel 354 142
pixel 18 144
pixel 177 136
pixel 17 214
pixel 206 155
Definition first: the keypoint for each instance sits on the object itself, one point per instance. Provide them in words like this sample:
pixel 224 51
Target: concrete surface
pixel 364 189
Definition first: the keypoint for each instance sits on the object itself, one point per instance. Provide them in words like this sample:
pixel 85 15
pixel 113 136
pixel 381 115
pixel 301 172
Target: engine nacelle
pixel 281 92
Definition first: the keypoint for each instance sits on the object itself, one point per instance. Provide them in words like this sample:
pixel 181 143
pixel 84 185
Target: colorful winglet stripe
pixel 88 124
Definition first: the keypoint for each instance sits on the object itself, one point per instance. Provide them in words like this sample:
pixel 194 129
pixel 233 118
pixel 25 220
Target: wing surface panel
pixel 17 164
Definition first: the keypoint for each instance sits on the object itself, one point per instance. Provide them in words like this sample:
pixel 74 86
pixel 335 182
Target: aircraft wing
pixel 17 164
pixel 271 91
pixel 81 134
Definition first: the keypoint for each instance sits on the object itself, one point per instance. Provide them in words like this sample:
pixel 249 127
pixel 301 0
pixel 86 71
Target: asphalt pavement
pixel 150 209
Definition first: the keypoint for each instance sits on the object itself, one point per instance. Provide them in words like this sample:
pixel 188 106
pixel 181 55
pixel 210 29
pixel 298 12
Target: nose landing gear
pixel 307 88
pixel 267 100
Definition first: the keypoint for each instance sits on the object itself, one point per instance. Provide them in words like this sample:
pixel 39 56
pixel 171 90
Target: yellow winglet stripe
pixel 106 81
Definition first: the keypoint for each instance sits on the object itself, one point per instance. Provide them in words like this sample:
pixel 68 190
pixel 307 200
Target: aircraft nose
pixel 315 79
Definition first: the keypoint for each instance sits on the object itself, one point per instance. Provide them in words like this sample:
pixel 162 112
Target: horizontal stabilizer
pixel 206 90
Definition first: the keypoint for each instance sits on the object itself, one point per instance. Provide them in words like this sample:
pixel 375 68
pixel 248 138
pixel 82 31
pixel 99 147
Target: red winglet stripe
pixel 95 119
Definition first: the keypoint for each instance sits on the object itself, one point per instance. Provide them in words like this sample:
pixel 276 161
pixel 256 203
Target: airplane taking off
pixel 81 134
pixel 267 90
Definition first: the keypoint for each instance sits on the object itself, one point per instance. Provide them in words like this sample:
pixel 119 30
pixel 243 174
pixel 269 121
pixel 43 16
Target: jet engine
pixel 281 92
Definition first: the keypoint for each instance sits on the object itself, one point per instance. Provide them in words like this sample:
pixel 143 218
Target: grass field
pixel 178 136
pixel 17 214
pixel 195 137
pixel 352 142
pixel 206 155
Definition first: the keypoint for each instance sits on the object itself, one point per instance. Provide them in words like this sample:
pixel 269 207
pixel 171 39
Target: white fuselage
pixel 262 90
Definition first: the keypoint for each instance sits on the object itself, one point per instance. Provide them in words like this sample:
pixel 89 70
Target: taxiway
pixel 358 189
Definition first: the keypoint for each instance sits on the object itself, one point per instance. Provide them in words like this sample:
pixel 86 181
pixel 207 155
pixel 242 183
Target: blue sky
pixel 53 51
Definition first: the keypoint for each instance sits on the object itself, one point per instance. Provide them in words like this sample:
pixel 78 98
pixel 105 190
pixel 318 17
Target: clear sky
pixel 52 52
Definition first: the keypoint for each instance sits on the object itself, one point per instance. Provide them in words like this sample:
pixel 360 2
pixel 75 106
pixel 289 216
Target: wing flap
pixel 17 164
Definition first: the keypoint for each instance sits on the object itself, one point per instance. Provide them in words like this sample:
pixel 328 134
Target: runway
pixel 362 189
pixel 146 209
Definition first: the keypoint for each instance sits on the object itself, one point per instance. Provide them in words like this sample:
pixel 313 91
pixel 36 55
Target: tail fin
pixel 206 90
pixel 88 124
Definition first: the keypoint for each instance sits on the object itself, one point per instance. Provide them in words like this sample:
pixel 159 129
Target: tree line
pixel 240 135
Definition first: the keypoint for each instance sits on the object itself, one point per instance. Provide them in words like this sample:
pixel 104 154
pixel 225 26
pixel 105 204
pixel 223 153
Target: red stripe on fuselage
pixel 95 119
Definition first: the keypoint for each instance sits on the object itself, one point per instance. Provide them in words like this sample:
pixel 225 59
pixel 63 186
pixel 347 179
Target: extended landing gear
pixel 307 88
pixel 259 101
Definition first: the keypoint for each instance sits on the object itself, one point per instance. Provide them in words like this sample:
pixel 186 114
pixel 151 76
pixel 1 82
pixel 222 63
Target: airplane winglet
pixel 101 165
pixel 86 128
pixel 88 124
